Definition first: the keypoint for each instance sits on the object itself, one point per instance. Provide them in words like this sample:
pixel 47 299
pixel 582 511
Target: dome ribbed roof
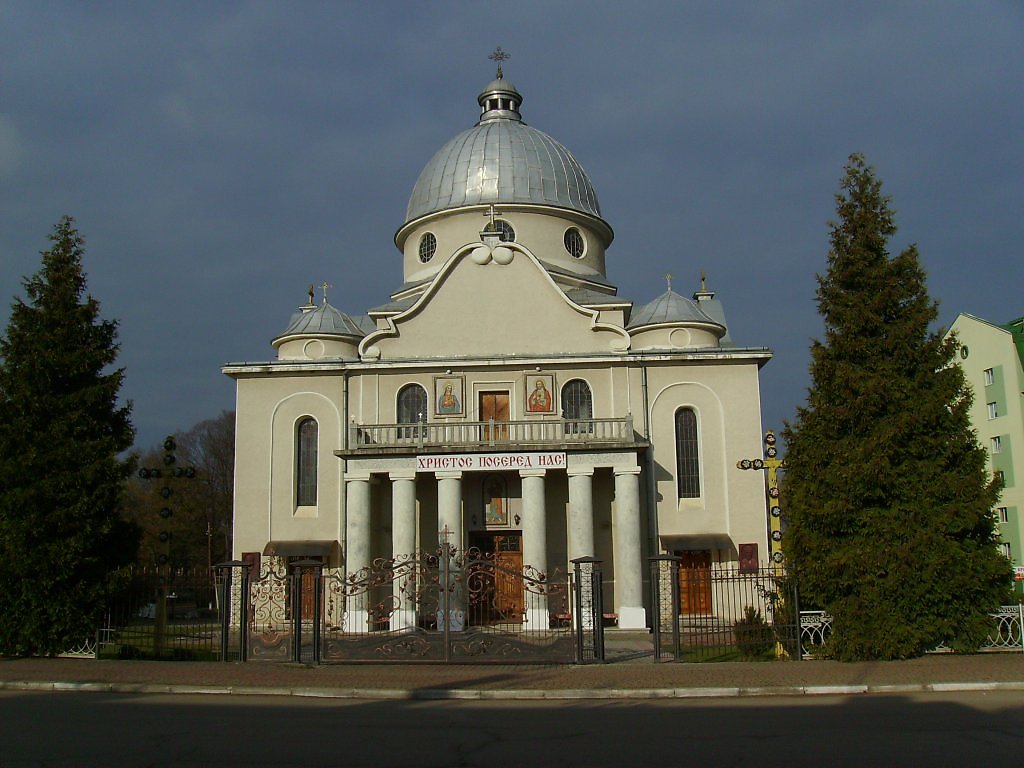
pixel 325 320
pixel 502 160
pixel 670 307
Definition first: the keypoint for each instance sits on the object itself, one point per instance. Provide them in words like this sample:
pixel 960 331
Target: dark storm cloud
pixel 221 157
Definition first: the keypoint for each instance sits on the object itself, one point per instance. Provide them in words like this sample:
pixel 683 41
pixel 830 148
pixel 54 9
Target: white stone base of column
pixel 357 621
pixel 402 619
pixel 632 618
pixel 537 618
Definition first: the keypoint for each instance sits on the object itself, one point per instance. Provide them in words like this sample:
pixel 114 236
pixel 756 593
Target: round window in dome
pixel 505 232
pixel 428 247
pixel 574 244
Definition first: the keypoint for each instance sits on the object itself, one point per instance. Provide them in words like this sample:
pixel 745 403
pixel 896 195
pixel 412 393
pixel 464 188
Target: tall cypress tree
pixel 61 430
pixel 889 500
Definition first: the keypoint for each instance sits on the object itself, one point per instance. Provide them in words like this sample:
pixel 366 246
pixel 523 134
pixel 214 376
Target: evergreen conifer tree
pixel 889 501
pixel 61 430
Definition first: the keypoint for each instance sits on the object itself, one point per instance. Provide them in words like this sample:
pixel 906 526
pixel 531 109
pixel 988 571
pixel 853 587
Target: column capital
pixel 457 475
pixel 581 471
pixel 402 474
pixel 626 470
pixel 358 477
pixel 532 472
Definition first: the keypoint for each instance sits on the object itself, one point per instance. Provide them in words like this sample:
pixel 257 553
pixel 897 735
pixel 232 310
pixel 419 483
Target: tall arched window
pixel 687 458
pixel 305 462
pixel 577 404
pixel 412 408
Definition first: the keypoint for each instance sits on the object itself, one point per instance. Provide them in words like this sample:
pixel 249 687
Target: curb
pixel 522 694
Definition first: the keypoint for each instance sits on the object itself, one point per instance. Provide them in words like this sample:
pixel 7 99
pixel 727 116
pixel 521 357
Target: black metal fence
pixel 162 613
pixel 723 613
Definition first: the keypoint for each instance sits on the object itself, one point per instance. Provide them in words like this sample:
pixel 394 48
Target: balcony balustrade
pixel 442 436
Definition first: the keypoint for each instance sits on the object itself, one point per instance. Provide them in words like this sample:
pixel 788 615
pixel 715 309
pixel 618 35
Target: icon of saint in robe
pixel 539 400
pixel 449 401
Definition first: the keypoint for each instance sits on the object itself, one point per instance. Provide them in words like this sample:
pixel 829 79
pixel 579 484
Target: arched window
pixel 305 462
pixel 412 409
pixel 577 405
pixel 687 459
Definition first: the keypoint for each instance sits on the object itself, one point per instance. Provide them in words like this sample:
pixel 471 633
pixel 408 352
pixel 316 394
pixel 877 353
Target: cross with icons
pixel 773 464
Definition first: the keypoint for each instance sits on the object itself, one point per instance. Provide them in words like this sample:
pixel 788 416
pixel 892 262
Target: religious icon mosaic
pixel 495 501
pixel 540 388
pixel 450 395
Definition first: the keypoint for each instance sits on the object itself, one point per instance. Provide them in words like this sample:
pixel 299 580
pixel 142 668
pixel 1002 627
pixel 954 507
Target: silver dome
pixel 502 160
pixel 325 320
pixel 671 308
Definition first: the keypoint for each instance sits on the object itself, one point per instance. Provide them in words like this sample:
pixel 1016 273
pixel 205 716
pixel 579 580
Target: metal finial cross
pixel 490 213
pixel 323 287
pixel 668 279
pixel 497 57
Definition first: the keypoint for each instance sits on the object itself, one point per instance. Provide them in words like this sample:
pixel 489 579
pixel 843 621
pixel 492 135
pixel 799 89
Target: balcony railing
pixel 498 435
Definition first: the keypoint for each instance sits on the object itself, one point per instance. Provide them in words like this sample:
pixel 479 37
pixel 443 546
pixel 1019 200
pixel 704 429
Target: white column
pixel 628 556
pixel 535 544
pixel 581 513
pixel 449 505
pixel 357 547
pixel 449 515
pixel 403 548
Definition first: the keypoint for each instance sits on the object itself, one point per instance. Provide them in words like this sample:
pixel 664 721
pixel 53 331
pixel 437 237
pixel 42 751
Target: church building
pixel 505 396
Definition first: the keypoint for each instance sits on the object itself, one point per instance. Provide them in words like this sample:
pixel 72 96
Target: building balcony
pixel 469 436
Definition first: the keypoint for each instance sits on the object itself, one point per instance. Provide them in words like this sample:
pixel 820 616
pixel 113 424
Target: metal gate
pixel 449 606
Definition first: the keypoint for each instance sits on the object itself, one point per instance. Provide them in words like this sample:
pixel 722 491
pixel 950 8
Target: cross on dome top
pixel 497 57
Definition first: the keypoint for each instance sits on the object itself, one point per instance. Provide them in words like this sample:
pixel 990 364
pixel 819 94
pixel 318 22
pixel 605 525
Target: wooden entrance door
pixel 695 582
pixel 500 597
pixel 508 580
pixel 308 577
pixel 494 407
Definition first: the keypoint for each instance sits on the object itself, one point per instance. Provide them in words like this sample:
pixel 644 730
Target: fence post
pixel 665 600
pixel 588 617
pixel 296 580
pixel 799 627
pixel 232 610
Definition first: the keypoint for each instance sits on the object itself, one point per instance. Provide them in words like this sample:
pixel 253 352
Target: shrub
pixel 754 636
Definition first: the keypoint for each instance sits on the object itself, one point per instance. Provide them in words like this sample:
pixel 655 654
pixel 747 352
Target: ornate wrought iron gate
pixel 449 605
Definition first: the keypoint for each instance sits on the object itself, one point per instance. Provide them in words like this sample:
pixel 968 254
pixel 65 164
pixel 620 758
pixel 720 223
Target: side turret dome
pixel 502 160
pixel 672 321
pixel 320 331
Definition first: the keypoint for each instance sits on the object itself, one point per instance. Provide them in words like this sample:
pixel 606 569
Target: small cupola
pixel 499 100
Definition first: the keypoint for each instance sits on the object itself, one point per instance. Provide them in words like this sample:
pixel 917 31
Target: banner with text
pixel 490 462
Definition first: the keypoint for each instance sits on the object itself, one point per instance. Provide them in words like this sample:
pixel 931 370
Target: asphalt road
pixel 99 729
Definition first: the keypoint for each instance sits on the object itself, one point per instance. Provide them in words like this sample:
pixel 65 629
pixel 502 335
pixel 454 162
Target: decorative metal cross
pixel 323 287
pixel 497 57
pixel 668 279
pixel 773 464
pixel 490 212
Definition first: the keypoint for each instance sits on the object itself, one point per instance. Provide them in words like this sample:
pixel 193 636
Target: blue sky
pixel 220 157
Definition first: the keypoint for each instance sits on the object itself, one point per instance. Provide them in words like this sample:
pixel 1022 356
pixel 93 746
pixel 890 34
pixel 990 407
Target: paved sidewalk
pixel 626 678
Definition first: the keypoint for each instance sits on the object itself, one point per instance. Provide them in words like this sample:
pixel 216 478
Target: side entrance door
pixel 500 598
pixel 695 582
pixel 494 406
